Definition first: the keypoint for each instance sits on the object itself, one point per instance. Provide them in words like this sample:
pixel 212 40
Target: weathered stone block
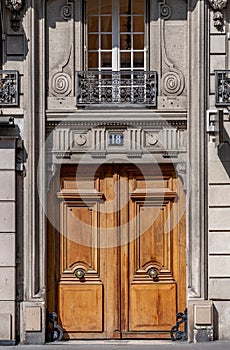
pixel 219 195
pixel 219 155
pixel 217 44
pixel 37 334
pixel 219 219
pixel 219 288
pixel 33 319
pixel 7 217
pixel 203 314
pixel 219 242
pixel 7 191
pixel 219 266
pixel 7 283
pixel 7 249
pixel 218 172
pixel 223 318
pixel 8 308
pixel 7 160
pixel 217 62
pixel 5 326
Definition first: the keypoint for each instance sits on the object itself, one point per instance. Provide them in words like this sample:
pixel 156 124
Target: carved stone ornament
pixel 67 11
pixel 15 6
pixel 218 5
pixel 218 17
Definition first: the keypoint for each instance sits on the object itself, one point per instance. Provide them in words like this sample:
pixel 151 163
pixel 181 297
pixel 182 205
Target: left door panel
pixel 77 260
pixel 80 304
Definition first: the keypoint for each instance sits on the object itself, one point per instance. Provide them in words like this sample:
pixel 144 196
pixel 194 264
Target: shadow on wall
pixel 215 324
pixel 224 152
pixel 14 40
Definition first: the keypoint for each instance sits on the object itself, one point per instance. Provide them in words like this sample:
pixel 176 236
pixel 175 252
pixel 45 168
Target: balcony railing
pixel 222 88
pixel 117 88
pixel 8 88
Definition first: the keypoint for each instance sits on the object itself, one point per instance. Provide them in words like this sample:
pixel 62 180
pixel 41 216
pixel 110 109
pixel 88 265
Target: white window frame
pixel 116 42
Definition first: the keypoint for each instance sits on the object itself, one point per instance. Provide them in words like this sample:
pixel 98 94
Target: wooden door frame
pixel 123 278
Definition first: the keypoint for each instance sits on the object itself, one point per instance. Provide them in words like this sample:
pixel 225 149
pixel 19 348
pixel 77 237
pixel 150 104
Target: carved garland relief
pixel 218 17
pixel 15 6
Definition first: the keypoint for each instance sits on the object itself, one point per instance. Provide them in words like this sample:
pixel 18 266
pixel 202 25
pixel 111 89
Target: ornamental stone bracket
pixel 218 17
pixel 15 7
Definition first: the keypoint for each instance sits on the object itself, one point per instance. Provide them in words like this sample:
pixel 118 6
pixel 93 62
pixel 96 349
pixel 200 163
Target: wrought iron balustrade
pixel 123 87
pixel 222 88
pixel 8 88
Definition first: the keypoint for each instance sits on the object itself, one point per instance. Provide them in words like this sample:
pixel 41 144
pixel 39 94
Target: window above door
pixel 115 57
pixel 116 35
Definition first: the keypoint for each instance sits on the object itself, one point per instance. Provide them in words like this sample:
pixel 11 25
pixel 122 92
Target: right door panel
pixel 155 291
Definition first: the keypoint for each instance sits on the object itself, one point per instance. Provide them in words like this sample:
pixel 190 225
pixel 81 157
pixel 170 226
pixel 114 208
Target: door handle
pixel 153 273
pixel 79 273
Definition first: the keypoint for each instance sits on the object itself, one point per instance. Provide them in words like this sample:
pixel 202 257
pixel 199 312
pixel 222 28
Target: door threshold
pixel 112 342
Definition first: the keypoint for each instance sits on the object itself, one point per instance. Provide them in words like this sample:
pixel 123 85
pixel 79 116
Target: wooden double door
pixel 116 259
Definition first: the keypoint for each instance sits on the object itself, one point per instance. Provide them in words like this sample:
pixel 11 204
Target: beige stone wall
pixel 7 240
pixel 218 185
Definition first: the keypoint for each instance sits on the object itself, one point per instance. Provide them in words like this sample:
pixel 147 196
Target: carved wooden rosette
pixel 218 17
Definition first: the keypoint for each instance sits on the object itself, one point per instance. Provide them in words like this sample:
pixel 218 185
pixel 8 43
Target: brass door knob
pixel 153 273
pixel 80 273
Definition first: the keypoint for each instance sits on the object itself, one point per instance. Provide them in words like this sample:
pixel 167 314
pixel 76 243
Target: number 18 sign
pixel 116 139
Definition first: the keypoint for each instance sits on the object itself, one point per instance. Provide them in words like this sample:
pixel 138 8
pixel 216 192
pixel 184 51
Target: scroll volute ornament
pixel 218 17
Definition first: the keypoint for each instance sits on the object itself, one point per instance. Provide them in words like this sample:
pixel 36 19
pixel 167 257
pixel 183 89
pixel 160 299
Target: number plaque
pixel 116 139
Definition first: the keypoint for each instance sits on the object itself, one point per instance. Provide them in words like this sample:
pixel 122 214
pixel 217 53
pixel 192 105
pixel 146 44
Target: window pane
pixel 106 41
pixel 125 41
pixel 138 41
pixel 106 24
pixel 125 24
pixel 92 7
pixel 138 59
pixel 125 60
pixel 106 59
pixel 138 23
pixel 127 38
pixel 92 24
pixel 93 42
pixel 106 6
pixel 92 60
pixel 125 6
pixel 138 7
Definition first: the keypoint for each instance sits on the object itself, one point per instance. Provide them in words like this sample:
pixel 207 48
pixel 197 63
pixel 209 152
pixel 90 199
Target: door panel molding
pixel 152 307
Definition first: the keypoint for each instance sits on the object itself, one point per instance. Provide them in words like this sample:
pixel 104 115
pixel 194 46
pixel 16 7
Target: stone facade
pixel 188 41
pixel 8 236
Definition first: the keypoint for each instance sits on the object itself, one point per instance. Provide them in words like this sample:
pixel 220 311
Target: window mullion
pixel 115 37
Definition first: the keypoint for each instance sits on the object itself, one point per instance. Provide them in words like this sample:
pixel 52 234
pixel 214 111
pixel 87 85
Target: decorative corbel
pixel 15 6
pixel 218 17
pixel 181 169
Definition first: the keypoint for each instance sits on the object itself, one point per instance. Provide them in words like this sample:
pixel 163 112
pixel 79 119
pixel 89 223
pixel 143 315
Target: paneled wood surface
pixel 116 224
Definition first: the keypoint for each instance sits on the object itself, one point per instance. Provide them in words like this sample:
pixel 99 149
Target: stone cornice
pixel 182 124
